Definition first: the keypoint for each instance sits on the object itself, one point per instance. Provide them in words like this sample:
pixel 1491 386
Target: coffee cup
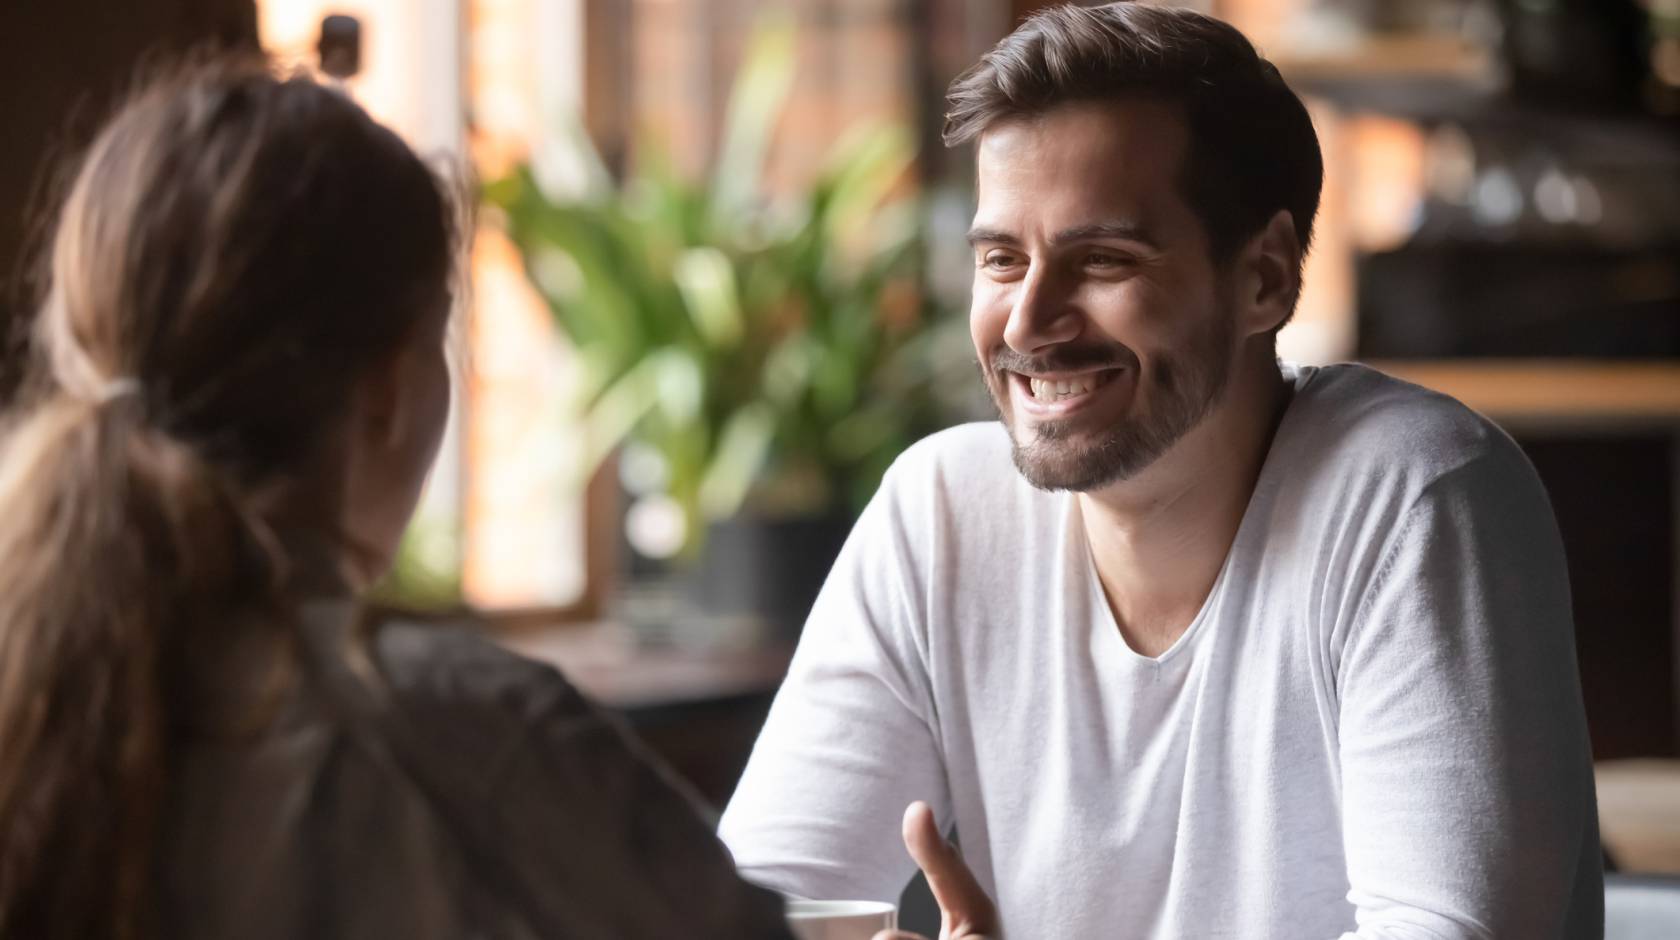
pixel 840 920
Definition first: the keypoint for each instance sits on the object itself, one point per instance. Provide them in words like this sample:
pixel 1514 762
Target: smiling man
pixel 1191 643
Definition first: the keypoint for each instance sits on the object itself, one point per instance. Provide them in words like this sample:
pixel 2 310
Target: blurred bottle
pixel 340 46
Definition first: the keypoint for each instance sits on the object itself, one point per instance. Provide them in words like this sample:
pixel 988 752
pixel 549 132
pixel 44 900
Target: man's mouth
pixel 1059 394
pixel 1053 389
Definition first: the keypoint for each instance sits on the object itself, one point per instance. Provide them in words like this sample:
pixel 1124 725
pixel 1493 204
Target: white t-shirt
pixel 1372 729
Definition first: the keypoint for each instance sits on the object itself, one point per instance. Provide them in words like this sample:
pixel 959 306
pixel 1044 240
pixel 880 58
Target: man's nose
pixel 1042 315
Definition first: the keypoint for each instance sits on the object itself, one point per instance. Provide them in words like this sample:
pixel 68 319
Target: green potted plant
pixel 759 360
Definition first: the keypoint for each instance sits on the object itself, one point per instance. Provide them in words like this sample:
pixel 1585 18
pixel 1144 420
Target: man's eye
pixel 999 261
pixel 1104 260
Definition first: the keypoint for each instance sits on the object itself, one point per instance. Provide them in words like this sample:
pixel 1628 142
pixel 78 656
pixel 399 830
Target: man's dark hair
pixel 1252 148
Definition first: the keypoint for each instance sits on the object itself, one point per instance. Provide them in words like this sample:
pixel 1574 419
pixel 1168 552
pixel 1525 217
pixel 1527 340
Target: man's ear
pixel 1269 276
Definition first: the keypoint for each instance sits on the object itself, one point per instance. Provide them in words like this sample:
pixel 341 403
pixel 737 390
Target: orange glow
pixel 390 54
pixel 1388 191
pixel 1323 328
pixel 523 523
pixel 520 524
pixel 523 510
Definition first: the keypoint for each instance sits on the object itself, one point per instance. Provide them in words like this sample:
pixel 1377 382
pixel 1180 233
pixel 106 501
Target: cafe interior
pixel 654 514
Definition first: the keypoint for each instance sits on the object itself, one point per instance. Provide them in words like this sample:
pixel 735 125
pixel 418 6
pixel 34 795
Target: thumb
pixel 964 905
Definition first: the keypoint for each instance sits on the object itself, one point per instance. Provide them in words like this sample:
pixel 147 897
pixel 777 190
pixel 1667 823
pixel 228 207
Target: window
pixel 502 523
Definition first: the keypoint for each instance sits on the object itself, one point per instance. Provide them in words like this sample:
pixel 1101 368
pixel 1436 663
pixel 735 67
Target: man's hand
pixel 965 911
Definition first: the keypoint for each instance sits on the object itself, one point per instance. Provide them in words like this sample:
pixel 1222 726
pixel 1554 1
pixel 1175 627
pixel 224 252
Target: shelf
pixel 1391 58
pixel 1550 392
pixel 1415 76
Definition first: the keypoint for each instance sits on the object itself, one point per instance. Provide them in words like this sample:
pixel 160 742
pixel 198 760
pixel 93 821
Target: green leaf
pixel 787 372
pixel 755 106
pixel 680 384
pixel 707 282
pixel 618 410
pixel 868 165
pixel 739 455
pixel 568 167
pixel 781 350
pixel 854 437
pixel 506 191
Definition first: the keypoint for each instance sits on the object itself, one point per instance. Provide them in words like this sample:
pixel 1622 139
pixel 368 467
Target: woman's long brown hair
pixel 235 253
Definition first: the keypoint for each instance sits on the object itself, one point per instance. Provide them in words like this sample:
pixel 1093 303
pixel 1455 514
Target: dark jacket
pixel 443 788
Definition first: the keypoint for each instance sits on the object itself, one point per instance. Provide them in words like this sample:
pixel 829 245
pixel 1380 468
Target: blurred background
pixel 719 282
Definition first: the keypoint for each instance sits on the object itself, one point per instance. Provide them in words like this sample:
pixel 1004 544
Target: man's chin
pixel 1059 458
pixel 1069 455
pixel 1054 465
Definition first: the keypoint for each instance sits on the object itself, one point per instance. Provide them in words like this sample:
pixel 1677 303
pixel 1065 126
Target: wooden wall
pixel 62 62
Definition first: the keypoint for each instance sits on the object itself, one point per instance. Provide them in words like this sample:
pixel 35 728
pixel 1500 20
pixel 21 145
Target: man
pixel 1193 645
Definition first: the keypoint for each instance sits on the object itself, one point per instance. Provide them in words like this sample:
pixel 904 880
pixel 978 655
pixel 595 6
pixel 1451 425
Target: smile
pixel 1059 394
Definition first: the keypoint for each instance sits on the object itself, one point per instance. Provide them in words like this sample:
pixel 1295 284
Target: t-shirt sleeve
pixel 1468 804
pixel 851 738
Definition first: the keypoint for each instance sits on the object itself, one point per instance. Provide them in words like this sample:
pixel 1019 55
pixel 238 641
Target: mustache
pixel 1073 359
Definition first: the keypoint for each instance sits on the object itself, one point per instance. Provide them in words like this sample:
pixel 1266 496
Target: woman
pixel 243 385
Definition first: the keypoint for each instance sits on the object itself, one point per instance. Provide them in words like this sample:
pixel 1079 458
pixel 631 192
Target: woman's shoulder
pixel 564 794
pixel 454 666
pixel 473 702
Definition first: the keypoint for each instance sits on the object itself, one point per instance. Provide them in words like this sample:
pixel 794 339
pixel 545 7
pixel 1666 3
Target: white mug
pixel 840 920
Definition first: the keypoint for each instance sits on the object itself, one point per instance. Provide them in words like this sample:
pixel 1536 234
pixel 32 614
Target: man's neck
pixel 1160 538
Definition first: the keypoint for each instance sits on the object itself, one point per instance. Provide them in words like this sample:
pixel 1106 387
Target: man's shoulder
pixel 949 472
pixel 957 487
pixel 976 454
pixel 1355 418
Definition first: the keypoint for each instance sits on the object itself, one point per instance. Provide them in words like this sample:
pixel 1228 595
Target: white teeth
pixel 1045 390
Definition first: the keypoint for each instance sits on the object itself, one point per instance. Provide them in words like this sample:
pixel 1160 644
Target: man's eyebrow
pixel 991 236
pixel 1129 231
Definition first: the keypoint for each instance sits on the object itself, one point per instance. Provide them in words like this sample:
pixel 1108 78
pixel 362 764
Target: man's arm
pixel 851 738
pixel 1468 805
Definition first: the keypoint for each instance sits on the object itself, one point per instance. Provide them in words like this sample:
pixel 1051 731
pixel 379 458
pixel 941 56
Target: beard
pixel 1183 388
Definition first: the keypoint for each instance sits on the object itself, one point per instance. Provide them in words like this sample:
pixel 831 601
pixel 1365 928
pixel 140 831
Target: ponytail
pixel 239 250
pixel 118 541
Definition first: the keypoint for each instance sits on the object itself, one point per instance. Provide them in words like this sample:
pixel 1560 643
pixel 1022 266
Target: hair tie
pixel 74 369
pixel 116 388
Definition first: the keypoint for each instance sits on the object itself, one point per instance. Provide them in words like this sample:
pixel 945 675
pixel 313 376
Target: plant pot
pixel 768 570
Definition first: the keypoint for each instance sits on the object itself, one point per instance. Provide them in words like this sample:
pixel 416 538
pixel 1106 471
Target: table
pixel 699 708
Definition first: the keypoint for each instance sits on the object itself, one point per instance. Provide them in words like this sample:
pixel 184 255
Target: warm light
pixel 1323 327
pixel 391 51
pixel 1385 202
pixel 524 523
pixel 524 516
